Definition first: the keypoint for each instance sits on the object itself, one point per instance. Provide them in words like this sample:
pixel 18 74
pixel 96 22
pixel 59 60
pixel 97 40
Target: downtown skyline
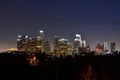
pixel 95 21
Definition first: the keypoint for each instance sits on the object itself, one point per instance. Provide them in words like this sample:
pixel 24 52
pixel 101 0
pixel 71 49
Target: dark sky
pixel 95 20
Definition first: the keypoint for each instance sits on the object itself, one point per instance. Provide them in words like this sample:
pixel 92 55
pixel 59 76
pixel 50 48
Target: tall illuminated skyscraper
pixel 105 47
pixel 77 44
pixel 19 42
pixel 38 44
pixel 22 42
pixel 78 36
pixel 42 34
pixel 42 39
pixel 63 45
pixel 69 50
pixel 84 43
pixel 31 45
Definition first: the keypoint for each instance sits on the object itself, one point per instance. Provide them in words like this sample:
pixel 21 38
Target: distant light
pixel 55 36
pixel 26 36
pixel 41 31
pixel 30 38
pixel 77 35
pixel 18 39
pixel 38 36
pixel 19 36
pixel 76 39
pixel 63 39
pixel 84 42
pixel 97 49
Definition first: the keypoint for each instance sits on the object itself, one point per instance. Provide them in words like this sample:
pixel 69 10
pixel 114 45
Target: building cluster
pixel 102 48
pixel 33 45
pixel 61 46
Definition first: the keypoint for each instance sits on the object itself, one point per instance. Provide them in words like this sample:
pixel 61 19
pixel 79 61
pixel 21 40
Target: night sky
pixel 95 20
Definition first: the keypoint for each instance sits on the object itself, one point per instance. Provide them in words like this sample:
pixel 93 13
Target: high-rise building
pixel 19 42
pixel 87 48
pixel 105 47
pixel 78 36
pixel 47 47
pixel 63 46
pixel 99 48
pixel 69 50
pixel 113 46
pixel 77 44
pixel 31 45
pixel 38 45
pixel 56 45
pixel 56 41
pixel 42 34
pixel 84 43
pixel 42 39
pixel 22 42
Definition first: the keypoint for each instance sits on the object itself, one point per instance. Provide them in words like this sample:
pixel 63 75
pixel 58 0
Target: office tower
pixel 105 47
pixel 77 44
pixel 63 46
pixel 84 47
pixel 56 41
pixel 78 36
pixel 19 42
pixel 99 48
pixel 56 45
pixel 42 34
pixel 87 48
pixel 31 45
pixel 84 43
pixel 69 48
pixel 47 47
pixel 22 42
pixel 113 46
pixel 38 46
pixel 42 39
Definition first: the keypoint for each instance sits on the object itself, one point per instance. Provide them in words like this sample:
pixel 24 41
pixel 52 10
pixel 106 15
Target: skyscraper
pixel 42 39
pixel 113 46
pixel 77 44
pixel 63 46
pixel 99 48
pixel 42 34
pixel 78 36
pixel 19 42
pixel 84 43
pixel 22 42
pixel 56 41
pixel 31 45
pixel 38 44
pixel 105 47
pixel 56 45
pixel 47 47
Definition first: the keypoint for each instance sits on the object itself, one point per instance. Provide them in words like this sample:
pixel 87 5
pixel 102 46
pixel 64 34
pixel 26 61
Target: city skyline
pixel 95 21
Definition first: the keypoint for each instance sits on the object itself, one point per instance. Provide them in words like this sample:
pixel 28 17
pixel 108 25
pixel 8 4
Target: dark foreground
pixel 16 66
